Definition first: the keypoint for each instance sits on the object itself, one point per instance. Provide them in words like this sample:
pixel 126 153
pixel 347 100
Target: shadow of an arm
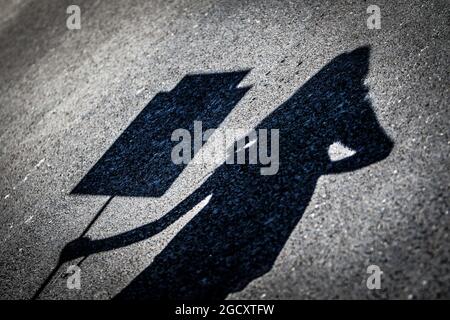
pixel 83 247
pixel 365 136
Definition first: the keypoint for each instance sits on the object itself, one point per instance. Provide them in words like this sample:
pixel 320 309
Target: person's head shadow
pixel 248 217
pixel 333 106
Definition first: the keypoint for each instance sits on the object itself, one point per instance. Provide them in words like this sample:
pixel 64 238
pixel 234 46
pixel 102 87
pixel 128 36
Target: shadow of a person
pixel 238 235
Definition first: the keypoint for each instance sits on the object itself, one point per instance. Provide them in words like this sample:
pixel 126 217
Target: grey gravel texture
pixel 66 96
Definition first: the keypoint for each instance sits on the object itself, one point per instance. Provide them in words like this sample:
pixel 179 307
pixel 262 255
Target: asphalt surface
pixel 68 96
